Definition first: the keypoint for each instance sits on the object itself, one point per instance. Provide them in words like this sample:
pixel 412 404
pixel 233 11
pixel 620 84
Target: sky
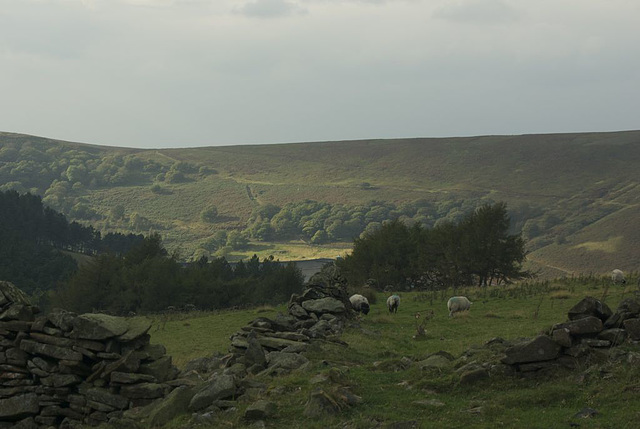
pixel 192 73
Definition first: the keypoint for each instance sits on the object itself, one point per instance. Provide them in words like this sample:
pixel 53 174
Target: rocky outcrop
pixel 67 369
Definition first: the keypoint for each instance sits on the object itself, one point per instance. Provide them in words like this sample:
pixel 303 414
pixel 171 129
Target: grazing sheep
pixel 617 277
pixel 392 303
pixel 458 303
pixel 360 303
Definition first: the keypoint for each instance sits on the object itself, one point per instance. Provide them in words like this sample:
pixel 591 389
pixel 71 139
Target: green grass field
pixel 371 363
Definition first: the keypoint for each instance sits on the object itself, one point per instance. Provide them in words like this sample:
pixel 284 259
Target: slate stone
pixel 130 378
pixel 586 325
pixel 98 326
pixel 62 319
pixel 19 407
pixel 162 369
pixel 9 293
pixel 60 380
pixel 254 354
pixel 142 390
pixel 541 348
pixel 18 312
pixel 220 387
pixel 103 396
pixel 297 311
pixel 138 326
pixel 56 352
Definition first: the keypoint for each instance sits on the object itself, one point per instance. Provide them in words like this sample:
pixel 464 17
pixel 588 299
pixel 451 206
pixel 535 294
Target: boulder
pixel 254 355
pixel 11 294
pixel 614 336
pixel 137 327
pixel 541 348
pixel 176 403
pixel 562 337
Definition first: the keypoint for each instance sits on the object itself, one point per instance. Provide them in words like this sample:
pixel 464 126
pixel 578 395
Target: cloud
pixel 477 12
pixel 270 9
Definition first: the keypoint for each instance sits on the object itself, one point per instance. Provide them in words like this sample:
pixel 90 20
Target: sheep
pixel 458 303
pixel 392 303
pixel 617 277
pixel 360 303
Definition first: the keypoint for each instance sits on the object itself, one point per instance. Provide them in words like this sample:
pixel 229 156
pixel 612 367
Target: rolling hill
pixel 575 197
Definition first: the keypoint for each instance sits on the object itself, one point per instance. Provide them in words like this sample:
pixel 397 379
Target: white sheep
pixel 392 303
pixel 360 303
pixel 458 303
pixel 617 277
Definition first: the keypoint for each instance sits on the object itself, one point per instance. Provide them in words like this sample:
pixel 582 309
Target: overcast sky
pixel 178 73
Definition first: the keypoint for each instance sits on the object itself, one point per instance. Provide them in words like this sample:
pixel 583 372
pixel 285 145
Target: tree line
pixel 478 249
pixel 32 236
pixel 148 279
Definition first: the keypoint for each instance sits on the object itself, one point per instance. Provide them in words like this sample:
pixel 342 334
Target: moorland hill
pixel 575 197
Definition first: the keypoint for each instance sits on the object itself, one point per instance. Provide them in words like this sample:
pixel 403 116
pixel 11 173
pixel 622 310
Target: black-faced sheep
pixel 617 277
pixel 458 303
pixel 360 303
pixel 392 303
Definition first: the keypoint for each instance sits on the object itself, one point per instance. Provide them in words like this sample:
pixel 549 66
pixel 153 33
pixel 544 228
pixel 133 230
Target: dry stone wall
pixel 63 369
pixel 591 330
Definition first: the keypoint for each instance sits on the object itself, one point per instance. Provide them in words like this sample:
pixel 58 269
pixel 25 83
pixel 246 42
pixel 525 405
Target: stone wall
pixel 64 369
pixel 592 329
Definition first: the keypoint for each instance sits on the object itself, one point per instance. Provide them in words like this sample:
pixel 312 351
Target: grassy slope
pixel 371 364
pixel 582 173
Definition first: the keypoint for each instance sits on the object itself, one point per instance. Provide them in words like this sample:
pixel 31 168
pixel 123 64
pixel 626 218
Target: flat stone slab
pixel 98 326
pixel 586 325
pixel 324 305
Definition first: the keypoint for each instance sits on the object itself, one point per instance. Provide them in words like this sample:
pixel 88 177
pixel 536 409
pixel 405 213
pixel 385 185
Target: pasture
pixel 373 367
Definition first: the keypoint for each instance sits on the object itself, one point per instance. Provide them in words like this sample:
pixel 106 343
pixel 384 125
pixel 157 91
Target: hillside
pixel 574 196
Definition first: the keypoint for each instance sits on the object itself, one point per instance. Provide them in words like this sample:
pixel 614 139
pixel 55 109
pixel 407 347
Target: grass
pixel 371 366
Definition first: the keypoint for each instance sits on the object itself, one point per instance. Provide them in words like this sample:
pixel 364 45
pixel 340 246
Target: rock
pixel 254 355
pixel 541 348
pixel 629 306
pixel 62 319
pixel 60 380
pixel 320 404
pixel 19 407
pixel 220 387
pixel 614 336
pixel 590 306
pixel 98 326
pixel 18 312
pixel 260 410
pixel 103 396
pixel 434 361
pixel 286 360
pixel 56 352
pixel 130 378
pixel 162 369
pixel 11 294
pixel 298 312
pixel 585 413
pixel 176 403
pixel 632 326
pixel 472 376
pixel 586 325
pixel 592 342
pixel 137 327
pixel 203 365
pixel 142 390
pixel 429 403
pixel 324 305
pixel 562 337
